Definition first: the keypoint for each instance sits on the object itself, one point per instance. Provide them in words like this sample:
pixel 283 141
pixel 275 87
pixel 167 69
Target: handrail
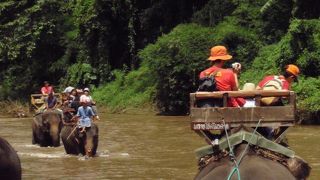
pixel 244 94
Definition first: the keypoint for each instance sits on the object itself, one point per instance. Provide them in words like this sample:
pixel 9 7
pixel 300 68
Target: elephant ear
pixel 38 120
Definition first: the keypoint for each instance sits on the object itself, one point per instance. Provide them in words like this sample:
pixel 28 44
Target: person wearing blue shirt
pixel 85 113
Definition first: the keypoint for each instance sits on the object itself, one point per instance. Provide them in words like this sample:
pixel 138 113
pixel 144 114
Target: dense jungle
pixel 148 53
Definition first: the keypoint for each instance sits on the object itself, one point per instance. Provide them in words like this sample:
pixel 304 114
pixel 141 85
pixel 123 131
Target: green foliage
pixel 30 40
pixel 248 13
pixel 308 94
pixel 301 46
pixel 242 43
pixel 82 42
pixel 214 12
pixel 264 64
pixel 80 74
pixel 306 9
pixel 133 90
pixel 177 59
pixel 274 27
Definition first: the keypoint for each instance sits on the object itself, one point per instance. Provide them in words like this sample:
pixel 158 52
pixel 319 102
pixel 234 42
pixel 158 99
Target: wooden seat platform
pixel 211 118
pixel 37 100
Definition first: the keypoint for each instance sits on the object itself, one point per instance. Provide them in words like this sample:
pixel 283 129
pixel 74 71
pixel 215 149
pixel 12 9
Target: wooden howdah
pixel 37 100
pixel 212 118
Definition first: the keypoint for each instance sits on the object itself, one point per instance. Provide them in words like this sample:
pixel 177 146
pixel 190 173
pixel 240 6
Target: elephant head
pixel 52 125
pixel 46 129
pixel 75 142
pixel 90 140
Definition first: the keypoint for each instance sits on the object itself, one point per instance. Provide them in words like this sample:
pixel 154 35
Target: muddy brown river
pixel 134 147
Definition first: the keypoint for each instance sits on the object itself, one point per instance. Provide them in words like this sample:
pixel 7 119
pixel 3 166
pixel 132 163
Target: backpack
pixel 274 84
pixel 208 83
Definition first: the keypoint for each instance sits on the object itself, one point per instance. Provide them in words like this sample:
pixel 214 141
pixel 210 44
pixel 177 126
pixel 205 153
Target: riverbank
pixel 14 109
pixel 20 109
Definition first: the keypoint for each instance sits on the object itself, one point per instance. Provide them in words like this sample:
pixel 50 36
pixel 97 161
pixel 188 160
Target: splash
pixel 43 155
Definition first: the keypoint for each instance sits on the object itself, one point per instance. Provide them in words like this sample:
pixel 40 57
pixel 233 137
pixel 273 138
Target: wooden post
pixel 225 99
pixel 192 100
pixel 258 100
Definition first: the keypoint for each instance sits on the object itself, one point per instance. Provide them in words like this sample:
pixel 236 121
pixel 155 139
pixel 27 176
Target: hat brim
pixel 224 58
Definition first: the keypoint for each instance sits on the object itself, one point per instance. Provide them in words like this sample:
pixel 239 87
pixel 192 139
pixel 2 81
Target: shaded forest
pixel 149 52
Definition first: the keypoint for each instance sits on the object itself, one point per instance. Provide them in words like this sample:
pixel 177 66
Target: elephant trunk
pixel 54 134
pixel 89 147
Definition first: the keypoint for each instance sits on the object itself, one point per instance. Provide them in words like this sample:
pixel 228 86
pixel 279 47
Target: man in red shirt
pixel 46 89
pixel 278 82
pixel 226 79
pixel 289 76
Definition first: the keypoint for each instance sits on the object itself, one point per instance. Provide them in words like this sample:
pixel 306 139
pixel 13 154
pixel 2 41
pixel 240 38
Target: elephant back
pixel 10 167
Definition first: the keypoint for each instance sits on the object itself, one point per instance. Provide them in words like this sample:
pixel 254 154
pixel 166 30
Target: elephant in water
pixel 80 143
pixel 46 128
pixel 252 167
pixel 10 167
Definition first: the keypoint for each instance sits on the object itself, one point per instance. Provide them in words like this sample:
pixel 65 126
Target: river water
pixel 134 147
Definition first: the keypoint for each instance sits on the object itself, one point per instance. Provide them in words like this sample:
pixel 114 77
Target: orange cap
pixel 219 53
pixel 293 69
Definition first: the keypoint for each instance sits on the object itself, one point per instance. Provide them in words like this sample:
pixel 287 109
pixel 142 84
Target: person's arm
pixel 93 115
pixel 92 101
pixel 77 116
pixel 233 79
pixel 236 82
pixel 55 103
pixel 46 103
pixel 43 91
pixel 236 68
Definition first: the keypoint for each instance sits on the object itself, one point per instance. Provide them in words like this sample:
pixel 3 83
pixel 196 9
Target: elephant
pixel 80 143
pixel 252 167
pixel 10 167
pixel 46 128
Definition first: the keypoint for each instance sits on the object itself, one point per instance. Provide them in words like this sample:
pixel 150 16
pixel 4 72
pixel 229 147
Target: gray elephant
pixel 85 143
pixel 46 128
pixel 253 167
pixel 10 167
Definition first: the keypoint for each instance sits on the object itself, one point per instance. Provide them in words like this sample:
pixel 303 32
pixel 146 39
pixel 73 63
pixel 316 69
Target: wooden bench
pixel 213 118
pixel 37 100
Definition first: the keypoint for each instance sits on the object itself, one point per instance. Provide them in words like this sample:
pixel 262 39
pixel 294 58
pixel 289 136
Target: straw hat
pixel 248 87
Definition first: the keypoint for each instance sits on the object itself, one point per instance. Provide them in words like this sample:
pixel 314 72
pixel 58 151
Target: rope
pixel 233 158
pixel 255 130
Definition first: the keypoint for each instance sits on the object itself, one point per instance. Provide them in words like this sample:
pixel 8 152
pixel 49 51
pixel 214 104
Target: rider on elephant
pixel 46 89
pixel 92 103
pixel 51 103
pixel 277 82
pixel 85 113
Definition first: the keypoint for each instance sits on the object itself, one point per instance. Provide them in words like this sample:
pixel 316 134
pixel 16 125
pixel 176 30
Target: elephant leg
pixel 34 138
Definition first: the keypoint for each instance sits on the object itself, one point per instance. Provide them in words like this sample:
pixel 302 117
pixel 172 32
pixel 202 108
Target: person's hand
pixel 236 67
